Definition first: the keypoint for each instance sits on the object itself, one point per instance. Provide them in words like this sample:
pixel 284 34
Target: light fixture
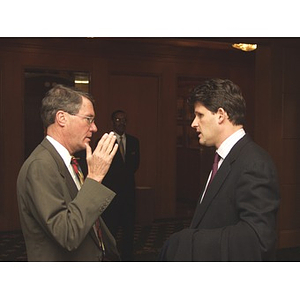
pixel 82 81
pixel 245 47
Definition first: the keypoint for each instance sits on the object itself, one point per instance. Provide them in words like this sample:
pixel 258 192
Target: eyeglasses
pixel 89 119
pixel 119 120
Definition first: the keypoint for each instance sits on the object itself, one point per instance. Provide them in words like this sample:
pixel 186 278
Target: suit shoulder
pixel 131 137
pixel 41 157
pixel 252 155
pixel 253 149
pixel 133 141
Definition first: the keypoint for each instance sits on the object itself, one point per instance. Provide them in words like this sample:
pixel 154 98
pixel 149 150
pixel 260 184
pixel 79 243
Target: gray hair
pixel 63 98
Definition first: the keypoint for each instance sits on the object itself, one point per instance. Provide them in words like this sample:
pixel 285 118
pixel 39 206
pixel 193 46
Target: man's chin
pixel 203 143
pixel 82 147
pixel 87 141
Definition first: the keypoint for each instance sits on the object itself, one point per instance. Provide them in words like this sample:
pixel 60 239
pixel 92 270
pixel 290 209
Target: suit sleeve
pixel 251 238
pixel 137 156
pixel 65 220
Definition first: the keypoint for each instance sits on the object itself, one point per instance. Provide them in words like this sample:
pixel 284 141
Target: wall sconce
pixel 245 47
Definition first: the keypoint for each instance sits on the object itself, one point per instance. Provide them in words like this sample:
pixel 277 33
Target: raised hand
pixel 100 160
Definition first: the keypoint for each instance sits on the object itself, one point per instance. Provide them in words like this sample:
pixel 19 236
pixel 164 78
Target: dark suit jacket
pixel 120 177
pixel 56 219
pixel 237 216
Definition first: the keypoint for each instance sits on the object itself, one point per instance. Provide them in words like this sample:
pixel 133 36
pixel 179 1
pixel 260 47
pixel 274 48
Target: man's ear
pixel 222 115
pixel 61 118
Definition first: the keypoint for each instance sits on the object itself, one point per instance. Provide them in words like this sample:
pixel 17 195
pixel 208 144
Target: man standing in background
pixel 121 179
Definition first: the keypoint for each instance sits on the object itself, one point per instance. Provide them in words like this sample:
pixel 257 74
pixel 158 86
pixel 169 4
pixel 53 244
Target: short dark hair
pixel 64 98
pixel 221 93
pixel 113 115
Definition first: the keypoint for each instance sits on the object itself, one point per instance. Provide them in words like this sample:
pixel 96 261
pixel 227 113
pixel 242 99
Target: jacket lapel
pixel 64 172
pixel 211 192
pixel 218 181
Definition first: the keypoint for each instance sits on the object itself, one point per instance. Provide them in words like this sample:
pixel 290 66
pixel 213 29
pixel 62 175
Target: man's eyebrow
pixel 198 113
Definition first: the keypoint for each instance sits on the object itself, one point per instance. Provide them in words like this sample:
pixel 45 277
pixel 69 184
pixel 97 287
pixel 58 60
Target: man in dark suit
pixel 121 179
pixel 235 219
pixel 59 213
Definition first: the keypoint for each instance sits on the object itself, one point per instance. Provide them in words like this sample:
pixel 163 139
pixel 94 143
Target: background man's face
pixel 119 123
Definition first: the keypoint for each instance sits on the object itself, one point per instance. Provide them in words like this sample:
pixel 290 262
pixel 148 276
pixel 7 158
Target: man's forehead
pixel 199 106
pixel 87 105
pixel 120 115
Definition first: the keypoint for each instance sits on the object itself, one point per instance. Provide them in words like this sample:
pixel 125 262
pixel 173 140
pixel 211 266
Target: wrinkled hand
pixel 100 160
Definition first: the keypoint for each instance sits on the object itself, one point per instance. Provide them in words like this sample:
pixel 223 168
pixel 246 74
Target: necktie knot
pixel 77 169
pixel 215 166
pixel 74 161
pixel 216 158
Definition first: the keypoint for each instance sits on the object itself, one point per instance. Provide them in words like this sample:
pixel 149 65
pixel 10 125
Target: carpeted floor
pixel 148 242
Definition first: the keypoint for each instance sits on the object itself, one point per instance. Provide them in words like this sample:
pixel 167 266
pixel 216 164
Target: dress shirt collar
pixel 123 139
pixel 227 145
pixel 118 136
pixel 66 157
pixel 63 152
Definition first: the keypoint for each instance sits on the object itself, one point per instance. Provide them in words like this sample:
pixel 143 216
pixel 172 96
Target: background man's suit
pixel 57 215
pixel 120 178
pixel 236 219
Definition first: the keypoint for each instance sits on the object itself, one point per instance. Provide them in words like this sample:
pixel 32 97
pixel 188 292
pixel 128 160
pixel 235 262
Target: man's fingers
pixel 101 142
pixel 106 142
pixel 99 161
pixel 114 150
pixel 111 143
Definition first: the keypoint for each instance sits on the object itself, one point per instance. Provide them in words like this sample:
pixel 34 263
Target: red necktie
pixel 97 227
pixel 214 167
pixel 77 170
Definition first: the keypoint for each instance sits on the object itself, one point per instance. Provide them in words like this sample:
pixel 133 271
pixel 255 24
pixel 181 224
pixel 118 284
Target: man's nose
pixel 194 123
pixel 93 127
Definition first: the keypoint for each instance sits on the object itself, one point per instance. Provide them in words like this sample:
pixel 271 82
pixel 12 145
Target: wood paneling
pixel 290 208
pixel 1 138
pixel 290 109
pixel 289 216
pixel 138 95
pixel 291 65
pixel 290 169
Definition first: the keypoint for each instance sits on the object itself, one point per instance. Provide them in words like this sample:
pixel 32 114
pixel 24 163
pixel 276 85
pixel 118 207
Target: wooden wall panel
pixel 290 163
pixel 138 95
pixel 1 139
pixel 290 209
pixel 12 139
pixel 268 112
pixel 290 111
pixel 289 217
pixel 290 79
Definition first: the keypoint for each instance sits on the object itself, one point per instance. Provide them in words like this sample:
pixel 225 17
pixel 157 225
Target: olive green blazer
pixel 57 219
